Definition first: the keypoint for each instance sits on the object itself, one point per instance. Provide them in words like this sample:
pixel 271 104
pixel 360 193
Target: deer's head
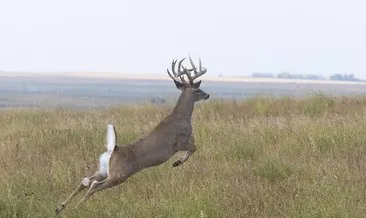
pixel 190 86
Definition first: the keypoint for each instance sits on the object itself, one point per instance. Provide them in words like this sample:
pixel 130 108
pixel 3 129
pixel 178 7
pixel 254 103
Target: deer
pixel 171 135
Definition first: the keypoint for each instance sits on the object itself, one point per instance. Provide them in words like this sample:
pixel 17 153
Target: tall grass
pixel 262 157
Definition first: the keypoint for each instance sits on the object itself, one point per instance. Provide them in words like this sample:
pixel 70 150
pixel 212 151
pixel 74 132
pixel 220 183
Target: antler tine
pixel 194 68
pixel 177 75
pixel 188 73
pixel 173 71
pixel 170 75
pixel 192 64
pixel 200 66
pixel 173 67
pixel 180 73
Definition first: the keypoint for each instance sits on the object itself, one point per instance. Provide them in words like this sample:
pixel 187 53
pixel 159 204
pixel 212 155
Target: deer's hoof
pixel 177 163
pixel 59 209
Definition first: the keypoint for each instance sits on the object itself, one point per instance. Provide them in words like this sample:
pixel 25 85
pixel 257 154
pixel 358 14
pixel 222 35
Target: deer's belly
pixel 156 157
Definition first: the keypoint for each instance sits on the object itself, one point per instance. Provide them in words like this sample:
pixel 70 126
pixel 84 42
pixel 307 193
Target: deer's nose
pixel 207 97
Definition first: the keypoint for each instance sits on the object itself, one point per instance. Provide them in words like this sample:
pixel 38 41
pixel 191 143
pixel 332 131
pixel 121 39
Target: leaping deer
pixel 172 134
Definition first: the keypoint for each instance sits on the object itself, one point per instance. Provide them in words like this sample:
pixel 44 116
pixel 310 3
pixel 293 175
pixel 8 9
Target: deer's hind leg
pixel 121 167
pixel 98 186
pixel 189 149
pixel 85 182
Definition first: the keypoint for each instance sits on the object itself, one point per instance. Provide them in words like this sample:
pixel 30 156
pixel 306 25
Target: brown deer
pixel 172 134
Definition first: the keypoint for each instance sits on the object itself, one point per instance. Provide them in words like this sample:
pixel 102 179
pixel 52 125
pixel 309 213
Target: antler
pixel 196 73
pixel 185 71
pixel 178 74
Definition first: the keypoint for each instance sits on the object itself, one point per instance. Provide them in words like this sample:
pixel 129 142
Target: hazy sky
pixel 231 36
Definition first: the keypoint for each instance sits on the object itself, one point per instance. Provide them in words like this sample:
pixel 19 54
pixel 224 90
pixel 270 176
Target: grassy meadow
pixel 262 157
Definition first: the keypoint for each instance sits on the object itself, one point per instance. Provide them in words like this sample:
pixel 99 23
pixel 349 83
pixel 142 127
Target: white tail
pixel 111 138
pixel 104 158
pixel 111 143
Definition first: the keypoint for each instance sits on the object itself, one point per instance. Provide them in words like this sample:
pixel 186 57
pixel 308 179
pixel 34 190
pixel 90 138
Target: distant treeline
pixel 285 75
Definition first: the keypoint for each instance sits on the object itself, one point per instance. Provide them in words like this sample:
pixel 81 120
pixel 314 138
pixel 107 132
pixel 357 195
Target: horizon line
pixel 164 77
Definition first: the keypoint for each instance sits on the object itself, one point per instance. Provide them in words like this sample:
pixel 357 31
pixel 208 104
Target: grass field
pixel 258 158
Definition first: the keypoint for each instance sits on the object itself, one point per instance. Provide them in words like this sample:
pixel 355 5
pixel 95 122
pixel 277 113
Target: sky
pixel 232 37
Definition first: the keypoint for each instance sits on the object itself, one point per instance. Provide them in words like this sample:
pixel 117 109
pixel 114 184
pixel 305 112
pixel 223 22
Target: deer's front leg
pixel 190 148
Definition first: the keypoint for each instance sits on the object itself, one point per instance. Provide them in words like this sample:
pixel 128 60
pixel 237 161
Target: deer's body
pixel 172 134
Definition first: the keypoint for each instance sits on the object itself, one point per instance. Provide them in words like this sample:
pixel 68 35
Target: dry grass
pixel 258 158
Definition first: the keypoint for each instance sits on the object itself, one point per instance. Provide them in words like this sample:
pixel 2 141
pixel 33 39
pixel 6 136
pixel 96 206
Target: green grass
pixel 260 158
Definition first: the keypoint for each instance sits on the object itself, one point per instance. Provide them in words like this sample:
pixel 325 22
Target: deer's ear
pixel 179 85
pixel 197 84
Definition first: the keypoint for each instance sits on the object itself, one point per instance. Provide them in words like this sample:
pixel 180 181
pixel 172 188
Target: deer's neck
pixel 185 104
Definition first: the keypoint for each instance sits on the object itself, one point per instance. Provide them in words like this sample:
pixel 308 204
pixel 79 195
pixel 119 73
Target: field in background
pixel 262 157
pixel 89 92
